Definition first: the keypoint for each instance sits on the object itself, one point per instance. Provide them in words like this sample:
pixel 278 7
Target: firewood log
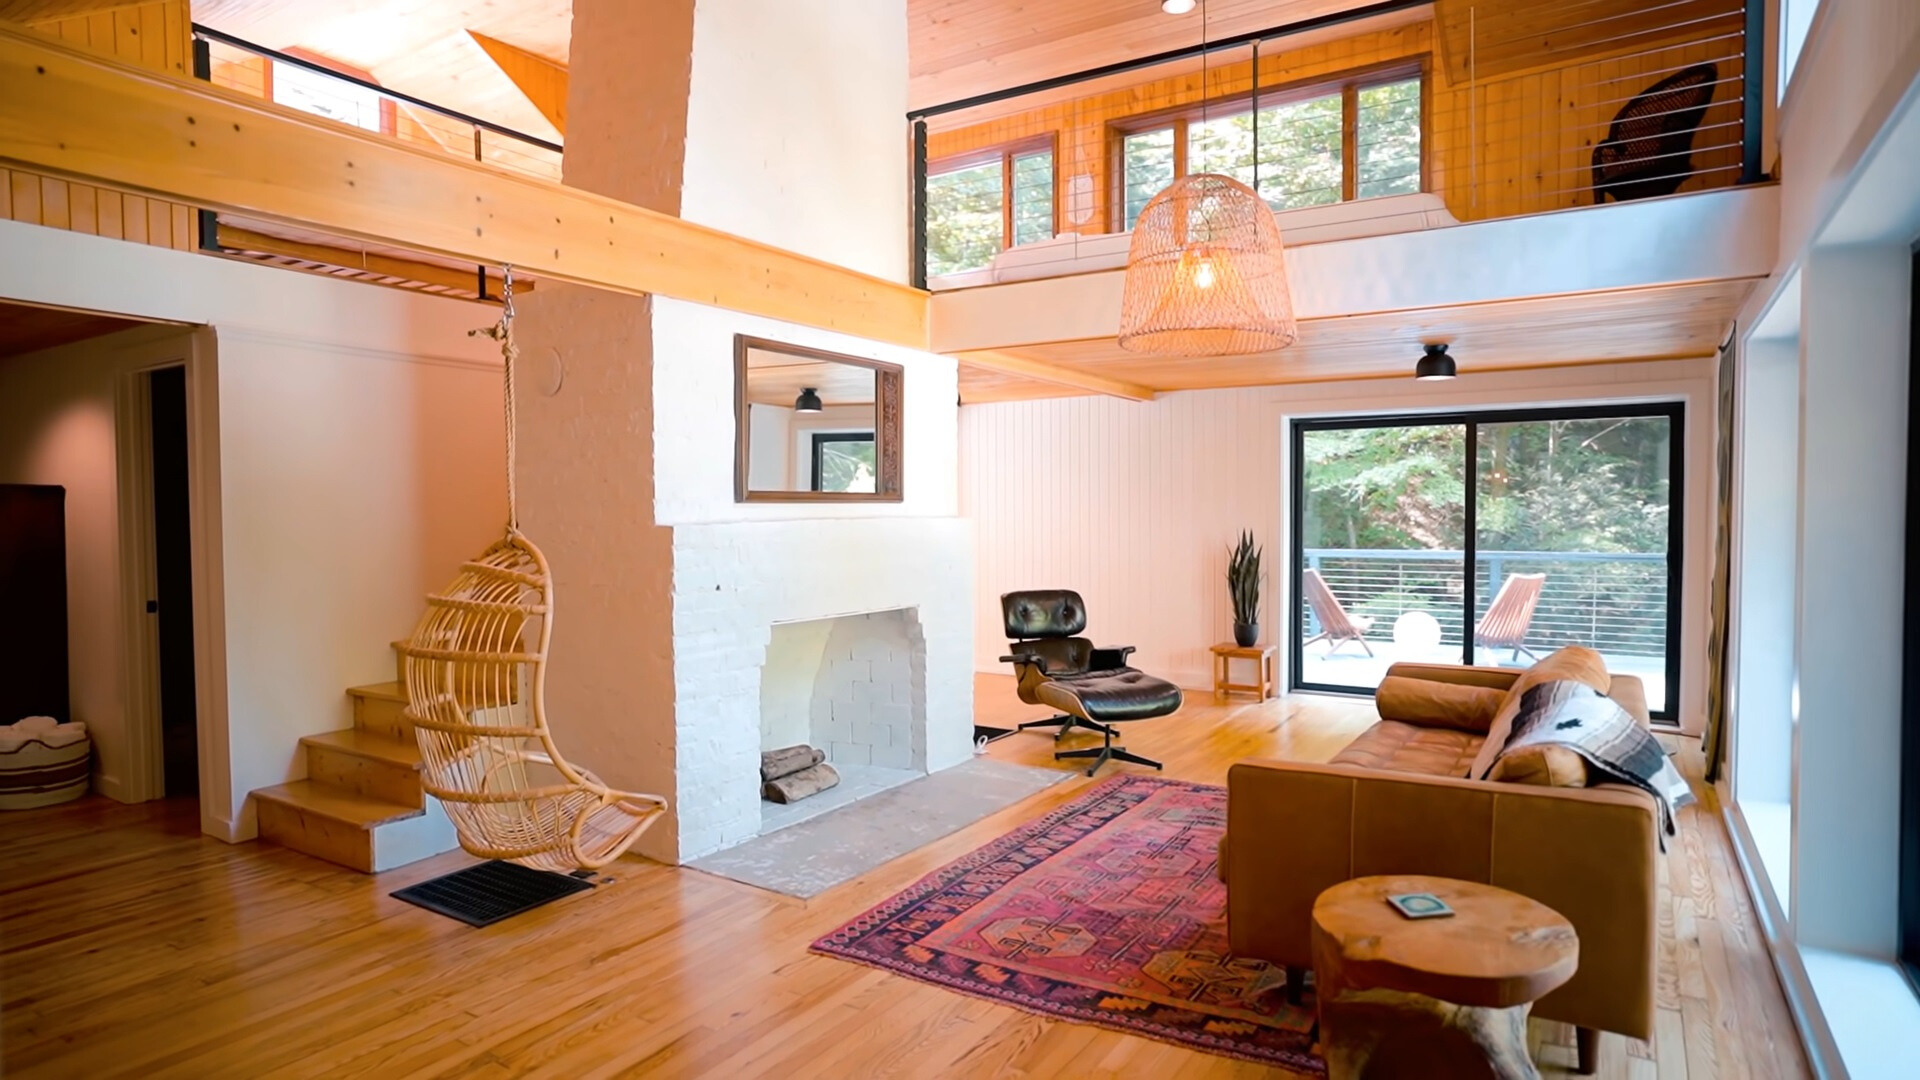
pixel 809 781
pixel 788 760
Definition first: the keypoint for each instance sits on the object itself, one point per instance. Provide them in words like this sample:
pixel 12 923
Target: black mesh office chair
pixel 1093 688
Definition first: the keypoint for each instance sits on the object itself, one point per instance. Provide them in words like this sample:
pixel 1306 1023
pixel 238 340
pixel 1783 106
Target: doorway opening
pixel 170 593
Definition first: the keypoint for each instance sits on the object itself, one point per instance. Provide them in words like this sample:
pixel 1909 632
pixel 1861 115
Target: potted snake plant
pixel 1243 585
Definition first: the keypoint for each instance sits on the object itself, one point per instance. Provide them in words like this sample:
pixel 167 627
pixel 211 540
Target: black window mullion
pixel 1470 543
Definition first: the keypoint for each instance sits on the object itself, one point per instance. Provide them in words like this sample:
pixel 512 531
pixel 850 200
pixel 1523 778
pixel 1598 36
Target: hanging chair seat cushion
pixel 43 762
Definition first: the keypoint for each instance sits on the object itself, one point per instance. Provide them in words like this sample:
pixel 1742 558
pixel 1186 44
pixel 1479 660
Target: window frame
pixel 817 445
pixel 1666 718
pixel 1347 83
pixel 1005 152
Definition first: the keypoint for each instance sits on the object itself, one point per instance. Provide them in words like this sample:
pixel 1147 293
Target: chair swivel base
pixel 1068 723
pixel 1104 753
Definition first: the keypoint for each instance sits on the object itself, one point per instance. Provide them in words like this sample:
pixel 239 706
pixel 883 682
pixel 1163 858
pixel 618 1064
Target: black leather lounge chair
pixel 1093 688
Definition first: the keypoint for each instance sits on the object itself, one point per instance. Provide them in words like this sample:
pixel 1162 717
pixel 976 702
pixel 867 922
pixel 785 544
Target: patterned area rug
pixel 1107 911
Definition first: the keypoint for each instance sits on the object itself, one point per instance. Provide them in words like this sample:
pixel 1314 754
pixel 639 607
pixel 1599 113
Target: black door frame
pixel 1471 420
pixel 1908 934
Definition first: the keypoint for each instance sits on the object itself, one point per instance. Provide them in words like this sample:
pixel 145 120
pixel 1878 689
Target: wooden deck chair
pixel 1505 624
pixel 476 671
pixel 1336 626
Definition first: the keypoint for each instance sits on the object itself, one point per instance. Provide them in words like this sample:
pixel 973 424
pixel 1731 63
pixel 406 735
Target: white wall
pixel 1134 503
pixel 769 447
pixel 693 438
pixel 357 443
pixel 796 130
pixel 1766 565
pixel 57 426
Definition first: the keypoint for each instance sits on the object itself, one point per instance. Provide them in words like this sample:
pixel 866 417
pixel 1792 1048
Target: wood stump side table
pixel 1433 998
pixel 1225 653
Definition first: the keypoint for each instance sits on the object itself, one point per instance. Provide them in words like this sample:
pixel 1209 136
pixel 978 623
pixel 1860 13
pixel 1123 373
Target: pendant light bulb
pixel 1177 7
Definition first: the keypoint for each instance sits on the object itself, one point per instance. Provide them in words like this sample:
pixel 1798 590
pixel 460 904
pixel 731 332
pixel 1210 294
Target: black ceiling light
pixel 1435 365
pixel 809 401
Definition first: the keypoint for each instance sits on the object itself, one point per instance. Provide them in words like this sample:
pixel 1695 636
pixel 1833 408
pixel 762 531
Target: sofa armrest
pixel 1296 829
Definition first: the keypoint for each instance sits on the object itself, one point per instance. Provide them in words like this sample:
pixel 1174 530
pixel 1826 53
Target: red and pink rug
pixel 1107 911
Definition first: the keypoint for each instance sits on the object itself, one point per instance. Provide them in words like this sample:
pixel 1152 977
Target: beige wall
pixel 1134 504
pixel 57 417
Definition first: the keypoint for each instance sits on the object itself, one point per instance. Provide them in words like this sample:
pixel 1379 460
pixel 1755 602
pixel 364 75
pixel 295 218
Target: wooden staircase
pixel 361 804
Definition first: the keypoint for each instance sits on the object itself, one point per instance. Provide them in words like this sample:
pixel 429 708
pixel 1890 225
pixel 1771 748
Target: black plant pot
pixel 1246 634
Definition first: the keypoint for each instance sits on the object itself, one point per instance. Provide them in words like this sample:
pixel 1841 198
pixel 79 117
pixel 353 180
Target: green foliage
pixel 963 218
pixel 1560 485
pixel 1243 579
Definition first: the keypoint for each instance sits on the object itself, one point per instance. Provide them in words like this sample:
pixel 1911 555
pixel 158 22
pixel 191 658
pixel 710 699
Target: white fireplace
pixel 852 635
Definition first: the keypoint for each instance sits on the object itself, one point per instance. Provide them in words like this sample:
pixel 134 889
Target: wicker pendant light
pixel 1206 275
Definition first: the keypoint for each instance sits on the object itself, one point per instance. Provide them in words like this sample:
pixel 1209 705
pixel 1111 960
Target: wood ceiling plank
pixel 108 122
pixel 540 79
pixel 1618 326
pixel 1082 379
pixel 33 12
pixel 959 48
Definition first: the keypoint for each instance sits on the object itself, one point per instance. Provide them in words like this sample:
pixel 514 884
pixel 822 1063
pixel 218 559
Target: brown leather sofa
pixel 1396 802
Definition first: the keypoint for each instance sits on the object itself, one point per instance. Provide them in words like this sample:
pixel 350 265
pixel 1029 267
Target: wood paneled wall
pixel 1518 144
pixel 158 35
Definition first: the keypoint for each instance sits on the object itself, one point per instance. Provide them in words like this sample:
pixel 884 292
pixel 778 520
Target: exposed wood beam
pixel 542 81
pixel 238 239
pixel 1009 364
pixel 101 121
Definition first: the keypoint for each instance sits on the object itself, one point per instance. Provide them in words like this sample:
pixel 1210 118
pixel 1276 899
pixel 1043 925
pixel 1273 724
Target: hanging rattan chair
pixel 475 680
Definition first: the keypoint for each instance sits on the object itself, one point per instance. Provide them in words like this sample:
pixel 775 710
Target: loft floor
pixel 132 946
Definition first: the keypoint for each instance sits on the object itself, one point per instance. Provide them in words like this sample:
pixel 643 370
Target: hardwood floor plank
pixel 132 946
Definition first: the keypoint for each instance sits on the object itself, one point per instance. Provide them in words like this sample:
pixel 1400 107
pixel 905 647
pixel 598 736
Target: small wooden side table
pixel 1445 997
pixel 1225 653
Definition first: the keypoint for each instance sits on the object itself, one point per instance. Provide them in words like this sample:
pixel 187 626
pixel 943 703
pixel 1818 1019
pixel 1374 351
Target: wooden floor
pixel 131 946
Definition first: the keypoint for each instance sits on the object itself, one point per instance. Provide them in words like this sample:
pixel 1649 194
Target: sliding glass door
pixel 1489 538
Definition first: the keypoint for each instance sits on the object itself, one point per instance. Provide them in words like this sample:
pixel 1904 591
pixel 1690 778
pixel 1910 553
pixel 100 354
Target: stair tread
pixel 337 803
pixel 370 744
pixel 390 691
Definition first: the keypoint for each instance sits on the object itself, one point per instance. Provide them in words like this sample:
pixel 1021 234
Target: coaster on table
pixel 1420 905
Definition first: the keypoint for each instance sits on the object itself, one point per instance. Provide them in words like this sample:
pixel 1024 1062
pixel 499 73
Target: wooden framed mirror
pixel 813 426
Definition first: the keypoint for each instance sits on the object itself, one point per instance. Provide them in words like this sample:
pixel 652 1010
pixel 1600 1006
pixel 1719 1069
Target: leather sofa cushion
pixel 1401 747
pixel 1575 662
pixel 1428 703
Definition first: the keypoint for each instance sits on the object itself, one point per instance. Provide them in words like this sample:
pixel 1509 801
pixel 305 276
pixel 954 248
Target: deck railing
pixel 1615 602
pixel 313 88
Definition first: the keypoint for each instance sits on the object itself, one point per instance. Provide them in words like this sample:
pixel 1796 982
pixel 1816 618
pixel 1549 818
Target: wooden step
pixel 377 709
pixel 370 764
pixel 328 822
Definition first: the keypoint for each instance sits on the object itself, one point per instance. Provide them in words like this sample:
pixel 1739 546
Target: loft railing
pixel 313 88
pixel 1482 112
pixel 1615 602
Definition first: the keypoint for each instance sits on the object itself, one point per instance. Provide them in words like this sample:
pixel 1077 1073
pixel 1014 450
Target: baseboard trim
pixel 1815 1037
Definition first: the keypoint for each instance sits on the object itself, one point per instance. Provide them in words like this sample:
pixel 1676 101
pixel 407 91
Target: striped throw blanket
pixel 1580 718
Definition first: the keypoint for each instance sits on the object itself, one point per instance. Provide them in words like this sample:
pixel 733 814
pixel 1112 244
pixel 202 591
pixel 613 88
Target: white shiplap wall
pixel 1134 504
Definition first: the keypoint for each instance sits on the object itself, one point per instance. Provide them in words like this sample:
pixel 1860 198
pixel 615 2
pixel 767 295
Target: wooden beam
pixel 542 81
pixel 76 114
pixel 1009 364
pixel 238 239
